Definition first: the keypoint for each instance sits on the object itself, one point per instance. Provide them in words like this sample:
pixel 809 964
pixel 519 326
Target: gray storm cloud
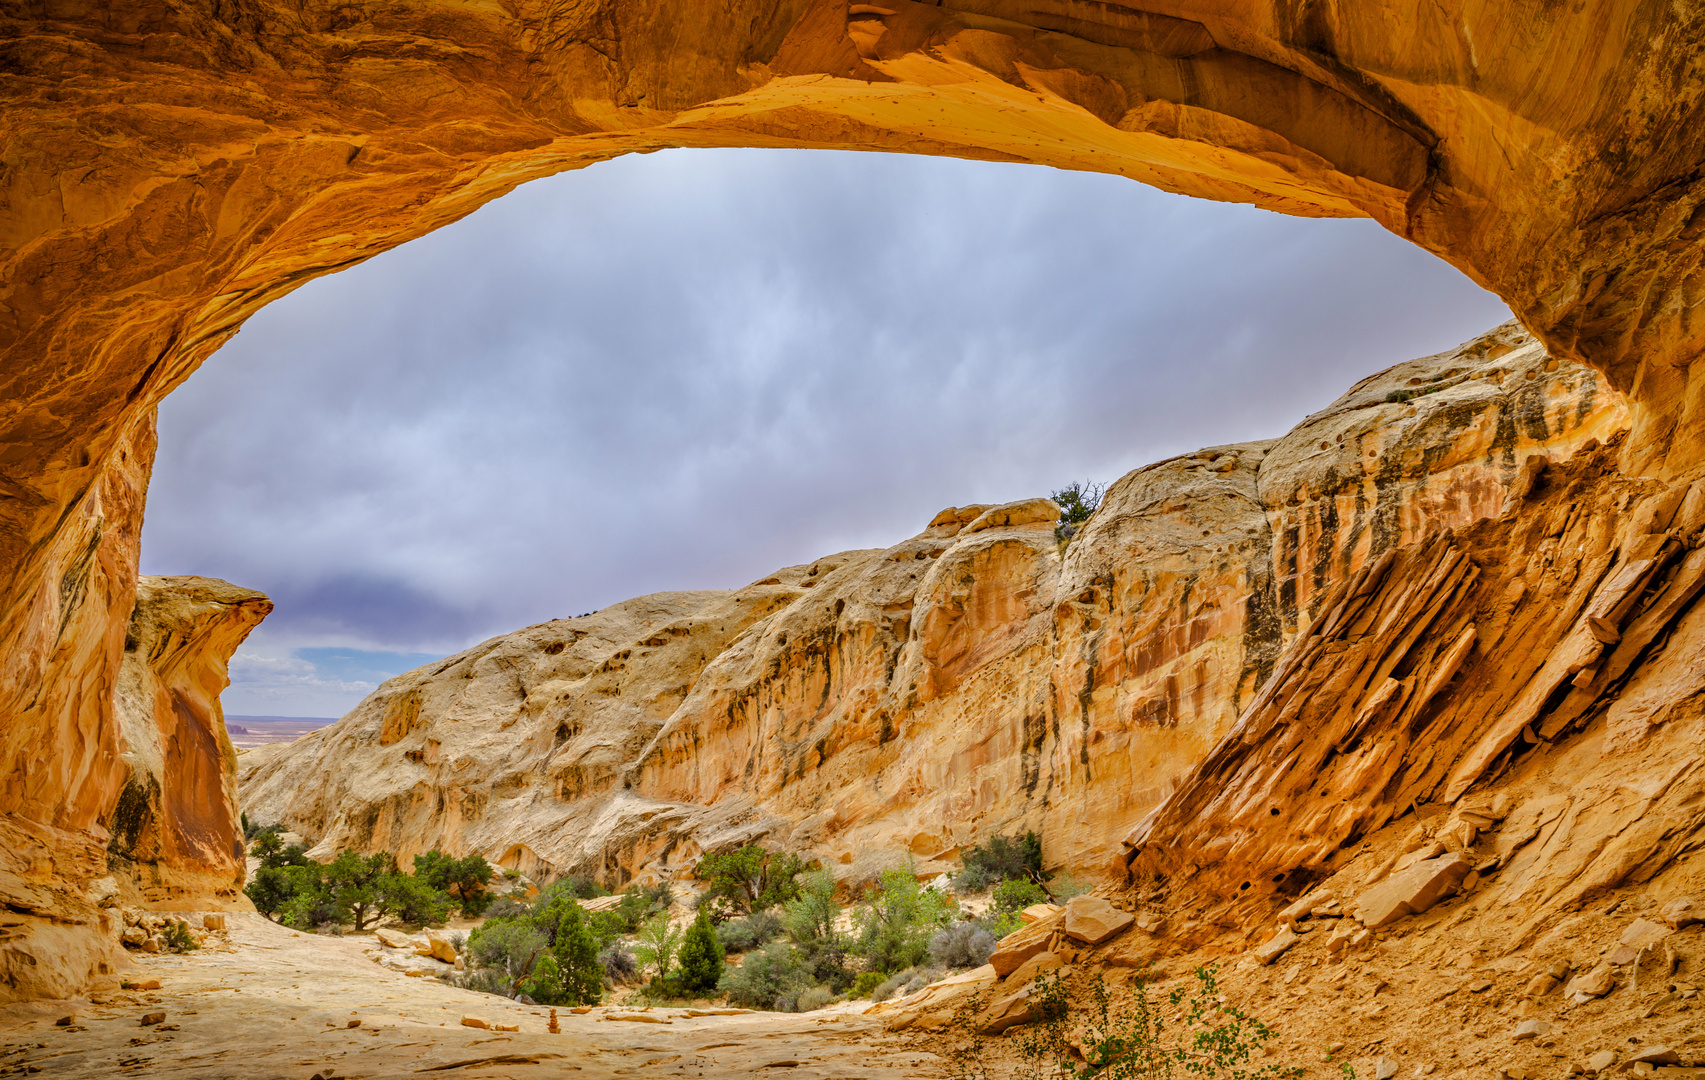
pixel 685 369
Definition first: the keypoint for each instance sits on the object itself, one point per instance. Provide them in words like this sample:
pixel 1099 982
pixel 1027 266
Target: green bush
pixel 1076 1039
pixel 467 880
pixel 1063 887
pixel 584 886
pixel 1397 397
pixel 1015 894
pixel 998 859
pixel 744 935
pixel 657 944
pixel 408 899
pixel 502 954
pixel 701 956
pixel 865 983
pixel 575 952
pixel 771 978
pixel 178 938
pixel 897 922
pixel 750 879
pixel 810 920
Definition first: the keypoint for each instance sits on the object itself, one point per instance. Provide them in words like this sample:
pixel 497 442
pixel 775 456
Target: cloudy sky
pixel 685 369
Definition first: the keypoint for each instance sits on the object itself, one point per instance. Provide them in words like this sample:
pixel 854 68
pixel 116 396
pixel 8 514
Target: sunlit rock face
pixel 979 677
pixel 171 170
pixel 175 835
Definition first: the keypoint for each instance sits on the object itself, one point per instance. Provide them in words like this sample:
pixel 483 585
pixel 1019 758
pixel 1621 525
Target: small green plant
pixel 864 983
pixel 1070 1041
pixel 1077 503
pixel 1397 397
pixel 1063 887
pixel 178 938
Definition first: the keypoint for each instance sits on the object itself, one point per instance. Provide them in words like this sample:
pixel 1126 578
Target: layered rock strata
pixel 972 679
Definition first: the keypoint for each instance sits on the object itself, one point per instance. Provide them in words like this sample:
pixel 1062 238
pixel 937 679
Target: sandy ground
pixel 278 1004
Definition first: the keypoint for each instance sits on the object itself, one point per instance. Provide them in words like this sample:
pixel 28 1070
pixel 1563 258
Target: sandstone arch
pixel 169 169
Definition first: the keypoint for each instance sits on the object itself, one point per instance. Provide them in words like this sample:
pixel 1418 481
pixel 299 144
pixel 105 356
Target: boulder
pixel 437 946
pixel 1022 944
pixel 1035 966
pixel 1092 920
pixel 215 921
pixel 1276 946
pixel 1600 1061
pixel 476 1022
pixel 394 939
pixel 1680 912
pixel 1411 890
pixel 1641 934
pixel 1014 1009
pixel 1655 1055
pixel 1598 982
pixel 1023 512
pixel 1038 912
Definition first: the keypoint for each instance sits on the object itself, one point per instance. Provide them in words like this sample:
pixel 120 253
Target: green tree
pixel 1077 501
pixel 810 921
pixel 575 955
pixel 894 928
pixel 657 944
pixel 355 884
pixel 750 879
pixel 271 889
pixel 466 879
pixel 408 899
pixel 701 955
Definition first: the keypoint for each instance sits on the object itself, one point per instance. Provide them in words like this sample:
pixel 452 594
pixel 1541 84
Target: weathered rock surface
pixel 175 829
pixel 913 700
pixel 172 170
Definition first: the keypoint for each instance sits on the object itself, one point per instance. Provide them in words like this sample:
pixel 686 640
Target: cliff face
pixel 175 835
pixel 969 680
pixel 158 827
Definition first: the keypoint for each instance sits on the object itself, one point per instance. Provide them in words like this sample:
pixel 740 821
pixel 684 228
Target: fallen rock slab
pixel 1022 944
pixel 1092 920
pixel 1277 945
pixel 1680 912
pixel 1411 891
pixel 394 939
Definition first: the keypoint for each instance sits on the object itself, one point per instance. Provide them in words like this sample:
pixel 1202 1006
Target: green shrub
pixel 810 920
pixel 1079 1039
pixel 408 899
pixel 1397 397
pixel 895 926
pixel 178 938
pixel 750 879
pixel 575 952
pixel 865 983
pixel 583 886
pixel 771 978
pixel 1015 894
pixel 657 944
pixel 701 956
pixel 467 879
pixel 743 935
pixel 502 954
pixel 813 999
pixel 998 859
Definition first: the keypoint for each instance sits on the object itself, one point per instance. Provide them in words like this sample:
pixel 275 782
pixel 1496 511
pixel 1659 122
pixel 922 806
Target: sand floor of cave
pixel 277 1004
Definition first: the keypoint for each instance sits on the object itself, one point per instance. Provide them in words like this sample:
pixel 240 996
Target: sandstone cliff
pixel 167 777
pixel 175 835
pixel 969 680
